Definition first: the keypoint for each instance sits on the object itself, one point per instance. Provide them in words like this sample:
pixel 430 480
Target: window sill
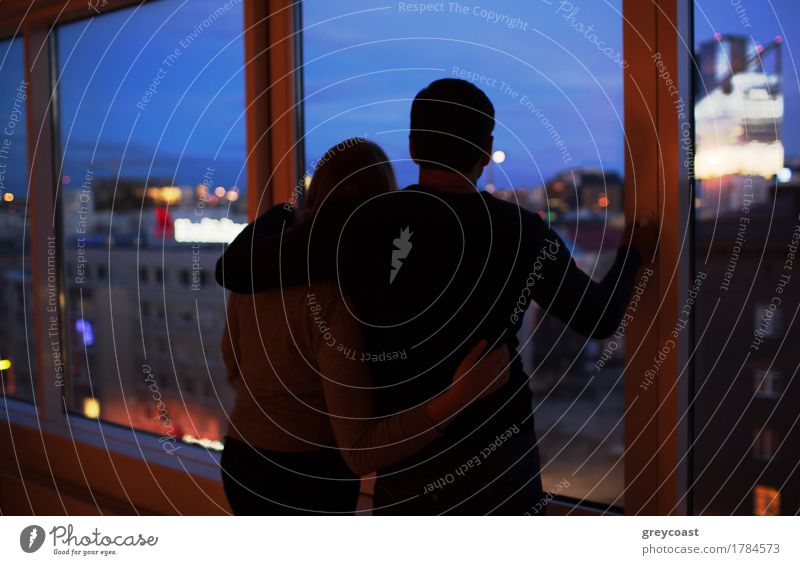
pixel 116 469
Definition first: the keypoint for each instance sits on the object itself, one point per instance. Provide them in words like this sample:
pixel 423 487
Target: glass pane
pixel 152 183
pixel 554 72
pixel 747 168
pixel 17 354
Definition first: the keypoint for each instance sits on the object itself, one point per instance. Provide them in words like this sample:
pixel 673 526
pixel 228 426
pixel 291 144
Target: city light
pixel 8 197
pixel 214 444
pixel 91 408
pixel 5 364
pixel 165 194
pixel 785 174
pixel 219 192
pixel 207 230
pixel 738 121
pixel 602 201
pixel 84 327
pixel 498 156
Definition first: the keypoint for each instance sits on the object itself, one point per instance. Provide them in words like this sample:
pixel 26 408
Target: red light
pixel 718 36
pixel 778 39
pixel 759 48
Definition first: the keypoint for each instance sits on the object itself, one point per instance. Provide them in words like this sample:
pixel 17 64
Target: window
pixel 747 227
pixel 766 501
pixel 17 353
pixel 559 142
pixel 768 384
pixel 152 140
pixel 765 443
pixel 768 321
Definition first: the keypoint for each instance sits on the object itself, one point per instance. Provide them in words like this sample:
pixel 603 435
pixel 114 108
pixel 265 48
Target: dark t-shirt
pixel 430 273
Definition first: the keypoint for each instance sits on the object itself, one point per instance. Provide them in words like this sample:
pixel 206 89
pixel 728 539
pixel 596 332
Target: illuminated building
pixel 738 117
pixel 152 362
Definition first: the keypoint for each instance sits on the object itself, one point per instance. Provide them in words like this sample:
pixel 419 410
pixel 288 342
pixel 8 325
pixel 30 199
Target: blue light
pixel 84 327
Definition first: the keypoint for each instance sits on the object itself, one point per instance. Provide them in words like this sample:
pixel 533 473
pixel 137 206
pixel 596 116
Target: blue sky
pixel 364 62
pixel 560 78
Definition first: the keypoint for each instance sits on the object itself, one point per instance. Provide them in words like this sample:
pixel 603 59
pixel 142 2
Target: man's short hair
pixel 451 123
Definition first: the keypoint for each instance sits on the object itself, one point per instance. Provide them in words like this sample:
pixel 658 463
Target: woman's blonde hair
pixel 354 169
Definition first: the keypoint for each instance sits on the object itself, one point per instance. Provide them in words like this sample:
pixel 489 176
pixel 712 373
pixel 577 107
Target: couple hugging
pixel 375 329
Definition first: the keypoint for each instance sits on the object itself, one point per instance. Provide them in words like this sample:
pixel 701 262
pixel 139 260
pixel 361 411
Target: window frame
pixel 129 468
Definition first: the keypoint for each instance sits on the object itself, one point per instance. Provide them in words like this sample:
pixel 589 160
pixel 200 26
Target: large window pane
pixel 16 322
pixel 554 73
pixel 746 444
pixel 152 177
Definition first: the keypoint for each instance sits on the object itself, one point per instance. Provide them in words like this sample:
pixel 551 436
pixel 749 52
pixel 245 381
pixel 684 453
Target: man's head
pixel 451 127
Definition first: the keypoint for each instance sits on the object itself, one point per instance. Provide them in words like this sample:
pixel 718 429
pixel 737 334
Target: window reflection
pixel 747 231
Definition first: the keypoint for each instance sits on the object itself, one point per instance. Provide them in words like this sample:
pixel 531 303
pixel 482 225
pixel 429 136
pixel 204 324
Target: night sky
pixel 364 62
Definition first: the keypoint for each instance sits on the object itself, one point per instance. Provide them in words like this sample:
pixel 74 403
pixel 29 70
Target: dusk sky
pixel 364 62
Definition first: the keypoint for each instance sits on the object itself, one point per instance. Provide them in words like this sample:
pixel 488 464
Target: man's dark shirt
pixel 429 274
